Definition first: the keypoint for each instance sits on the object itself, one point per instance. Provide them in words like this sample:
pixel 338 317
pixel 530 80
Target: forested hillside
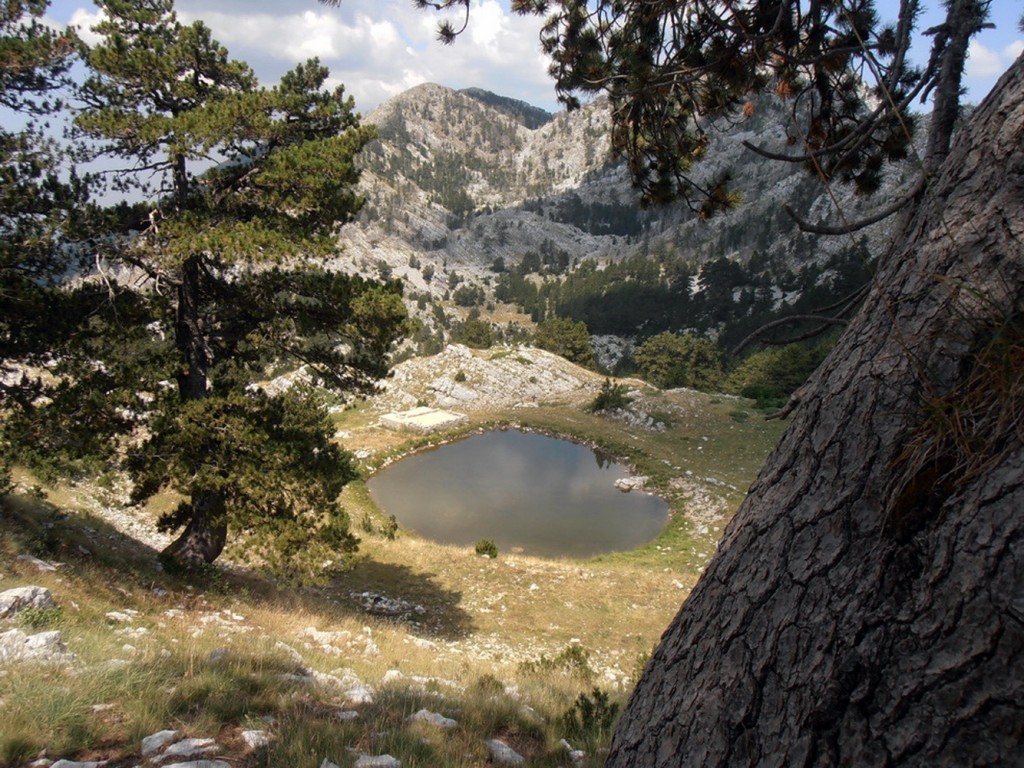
pixel 489 207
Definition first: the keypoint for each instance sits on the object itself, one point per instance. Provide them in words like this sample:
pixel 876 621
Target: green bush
pixel 611 397
pixel 487 547
pixel 590 719
pixel 573 660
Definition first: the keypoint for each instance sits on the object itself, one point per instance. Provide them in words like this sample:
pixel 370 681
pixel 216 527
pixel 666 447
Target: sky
pixel 380 48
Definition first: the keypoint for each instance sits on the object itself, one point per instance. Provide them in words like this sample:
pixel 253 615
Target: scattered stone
pixel 44 647
pixel 635 483
pixel 434 719
pixel 190 749
pixel 503 754
pixel 291 677
pixel 73 764
pixel 345 715
pixel 123 617
pixel 381 605
pixel 291 652
pixel 379 761
pixel 14 601
pixel 391 676
pixel 327 764
pixel 41 565
pixel 325 638
pixel 576 755
pixel 201 764
pixel 531 714
pixel 256 739
pixel 360 694
pixel 157 741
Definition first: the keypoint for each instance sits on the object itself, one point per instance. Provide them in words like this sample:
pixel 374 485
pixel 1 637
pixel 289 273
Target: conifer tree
pixel 216 279
pixel 35 201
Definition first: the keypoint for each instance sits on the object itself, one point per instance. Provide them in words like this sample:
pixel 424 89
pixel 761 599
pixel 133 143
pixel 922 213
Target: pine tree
pixel 215 281
pixel 35 200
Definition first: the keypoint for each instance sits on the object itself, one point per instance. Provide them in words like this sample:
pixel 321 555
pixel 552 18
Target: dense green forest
pixel 641 296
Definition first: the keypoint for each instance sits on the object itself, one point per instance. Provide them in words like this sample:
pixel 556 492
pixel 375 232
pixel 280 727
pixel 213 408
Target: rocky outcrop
pixel 505 377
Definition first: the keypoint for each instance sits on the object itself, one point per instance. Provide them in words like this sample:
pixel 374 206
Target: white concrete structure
pixel 422 419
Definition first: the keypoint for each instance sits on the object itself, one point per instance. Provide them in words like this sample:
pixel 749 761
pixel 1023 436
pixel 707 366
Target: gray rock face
pixel 14 601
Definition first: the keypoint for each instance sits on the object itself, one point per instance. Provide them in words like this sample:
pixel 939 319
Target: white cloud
pixel 381 49
pixel 982 61
pixel 84 20
pixel 377 49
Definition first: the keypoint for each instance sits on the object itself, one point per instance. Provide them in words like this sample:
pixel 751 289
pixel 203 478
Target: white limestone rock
pixel 503 754
pixel 434 719
pixel 191 749
pixel 44 647
pixel 256 739
pixel 157 741
pixel 14 601
pixel 378 761
pixel 40 565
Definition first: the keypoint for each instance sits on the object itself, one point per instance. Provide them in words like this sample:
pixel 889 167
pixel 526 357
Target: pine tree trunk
pixel 206 533
pixel 204 536
pixel 864 608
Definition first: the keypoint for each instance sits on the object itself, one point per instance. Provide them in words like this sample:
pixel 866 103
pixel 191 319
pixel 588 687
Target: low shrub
pixel 487 548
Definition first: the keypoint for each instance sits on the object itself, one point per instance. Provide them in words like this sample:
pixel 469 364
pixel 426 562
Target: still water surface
pixel 528 492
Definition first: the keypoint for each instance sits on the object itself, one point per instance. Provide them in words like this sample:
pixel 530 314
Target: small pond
pixel 528 492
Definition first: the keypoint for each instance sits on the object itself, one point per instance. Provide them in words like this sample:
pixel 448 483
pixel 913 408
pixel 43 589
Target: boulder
pixel 44 647
pixel 14 601
pixel 503 754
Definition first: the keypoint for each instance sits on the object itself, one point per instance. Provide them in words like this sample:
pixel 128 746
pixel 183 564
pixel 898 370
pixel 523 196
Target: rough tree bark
pixel 861 610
